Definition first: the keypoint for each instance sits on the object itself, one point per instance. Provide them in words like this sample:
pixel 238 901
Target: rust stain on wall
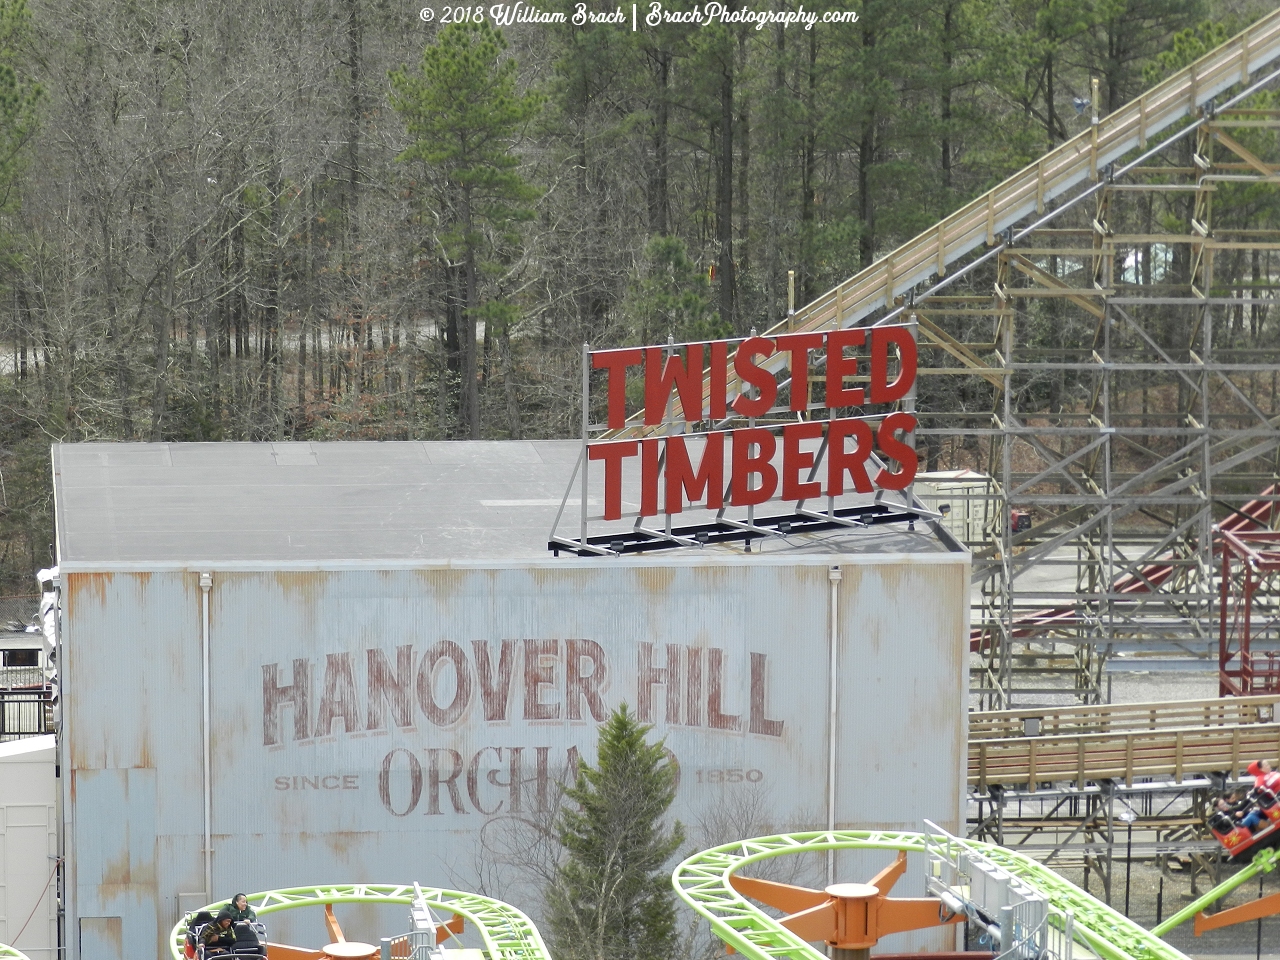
pixel 86 586
pixel 444 583
pixel 655 580
pixel 80 750
pixel 342 842
pixel 715 578
pixel 143 759
pixel 110 929
pixel 118 872
pixel 303 586
pixel 544 577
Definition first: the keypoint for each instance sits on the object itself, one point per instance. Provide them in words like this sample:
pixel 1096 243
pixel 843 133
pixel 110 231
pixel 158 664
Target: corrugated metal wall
pixel 367 724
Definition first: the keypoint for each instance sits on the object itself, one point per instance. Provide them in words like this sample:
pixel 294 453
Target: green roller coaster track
pixel 11 953
pixel 702 881
pixel 507 933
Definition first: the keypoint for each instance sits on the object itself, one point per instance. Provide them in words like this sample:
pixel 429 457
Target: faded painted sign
pixel 368 725
pixel 444 685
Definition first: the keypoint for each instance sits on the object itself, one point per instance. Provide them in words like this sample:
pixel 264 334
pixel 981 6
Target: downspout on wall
pixel 206 583
pixel 833 618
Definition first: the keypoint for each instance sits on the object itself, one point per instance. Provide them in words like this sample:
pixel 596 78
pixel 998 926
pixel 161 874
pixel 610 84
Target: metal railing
pixel 418 945
pixel 13 677
pixel 24 713
pixel 1014 920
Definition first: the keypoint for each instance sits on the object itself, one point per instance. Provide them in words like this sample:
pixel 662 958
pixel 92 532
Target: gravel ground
pixel 1127 684
pixel 1130 686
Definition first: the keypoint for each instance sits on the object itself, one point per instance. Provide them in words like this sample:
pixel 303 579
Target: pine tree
pixel 19 98
pixel 464 112
pixel 672 296
pixel 612 899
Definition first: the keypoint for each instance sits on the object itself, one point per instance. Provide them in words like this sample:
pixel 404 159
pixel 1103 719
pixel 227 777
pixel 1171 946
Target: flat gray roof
pixel 299 503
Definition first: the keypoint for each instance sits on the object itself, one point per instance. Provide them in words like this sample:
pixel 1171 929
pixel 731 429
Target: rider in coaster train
pixel 240 910
pixel 1266 784
pixel 219 937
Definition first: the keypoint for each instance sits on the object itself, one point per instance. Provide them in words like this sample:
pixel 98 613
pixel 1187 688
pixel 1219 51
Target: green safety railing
pixel 507 933
pixel 702 881
pixel 11 953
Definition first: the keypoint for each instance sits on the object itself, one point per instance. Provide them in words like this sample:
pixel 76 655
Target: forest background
pixel 330 219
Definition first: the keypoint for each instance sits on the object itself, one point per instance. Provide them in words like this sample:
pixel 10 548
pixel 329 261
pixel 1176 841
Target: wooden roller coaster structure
pixel 1097 530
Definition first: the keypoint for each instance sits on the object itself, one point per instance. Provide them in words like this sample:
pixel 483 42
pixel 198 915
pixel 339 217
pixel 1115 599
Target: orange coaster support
pixel 848 916
pixel 1267 906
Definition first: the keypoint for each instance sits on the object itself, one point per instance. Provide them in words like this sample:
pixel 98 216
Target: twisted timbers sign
pixel 785 418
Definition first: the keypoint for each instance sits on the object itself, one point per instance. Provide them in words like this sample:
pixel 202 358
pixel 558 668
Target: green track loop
pixel 11 953
pixel 507 933
pixel 702 881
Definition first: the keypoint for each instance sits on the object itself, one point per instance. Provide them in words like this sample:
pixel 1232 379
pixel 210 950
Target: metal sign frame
pixel 734 523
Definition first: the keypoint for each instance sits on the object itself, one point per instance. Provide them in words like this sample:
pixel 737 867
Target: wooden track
pixel 981 222
pixel 1168 740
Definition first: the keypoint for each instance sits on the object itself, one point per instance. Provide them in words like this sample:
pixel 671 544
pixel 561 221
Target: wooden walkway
pixel 1169 740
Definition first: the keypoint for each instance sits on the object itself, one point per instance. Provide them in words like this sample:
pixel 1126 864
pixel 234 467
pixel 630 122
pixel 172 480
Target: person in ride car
pixel 1264 777
pixel 1234 803
pixel 219 937
pixel 240 909
pixel 1234 808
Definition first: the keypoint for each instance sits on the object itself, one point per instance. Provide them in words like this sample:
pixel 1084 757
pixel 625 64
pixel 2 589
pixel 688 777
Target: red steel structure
pixel 1245 616
pixel 1255 513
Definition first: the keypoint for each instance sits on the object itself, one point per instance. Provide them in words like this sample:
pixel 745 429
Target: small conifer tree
pixel 612 898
